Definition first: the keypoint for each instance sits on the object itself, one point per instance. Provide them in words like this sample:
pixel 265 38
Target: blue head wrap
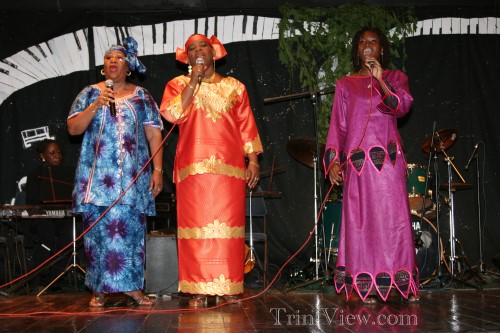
pixel 129 48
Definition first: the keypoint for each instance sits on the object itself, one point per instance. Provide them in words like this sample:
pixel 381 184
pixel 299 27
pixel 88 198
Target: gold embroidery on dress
pixel 175 107
pixel 220 286
pixel 213 166
pixel 210 231
pixel 255 145
pixel 218 98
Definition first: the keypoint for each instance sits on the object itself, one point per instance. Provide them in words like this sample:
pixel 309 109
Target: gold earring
pixel 102 72
pixel 190 69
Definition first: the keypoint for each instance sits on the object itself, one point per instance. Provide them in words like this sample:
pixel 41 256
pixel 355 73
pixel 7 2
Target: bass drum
pixel 416 186
pixel 426 246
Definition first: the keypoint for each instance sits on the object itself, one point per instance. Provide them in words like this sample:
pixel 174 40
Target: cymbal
pixel 443 140
pixel 455 186
pixel 304 150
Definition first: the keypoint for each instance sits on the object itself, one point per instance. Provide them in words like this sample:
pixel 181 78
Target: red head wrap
pixel 220 51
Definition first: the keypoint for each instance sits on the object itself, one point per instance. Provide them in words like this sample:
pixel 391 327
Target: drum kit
pixel 425 204
pixel 426 198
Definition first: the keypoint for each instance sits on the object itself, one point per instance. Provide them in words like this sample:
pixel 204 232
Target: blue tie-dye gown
pixel 113 152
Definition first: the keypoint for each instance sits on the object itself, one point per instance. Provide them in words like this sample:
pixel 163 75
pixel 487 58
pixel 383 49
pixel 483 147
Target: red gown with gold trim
pixel 217 130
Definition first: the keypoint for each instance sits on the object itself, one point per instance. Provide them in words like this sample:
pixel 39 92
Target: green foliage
pixel 317 43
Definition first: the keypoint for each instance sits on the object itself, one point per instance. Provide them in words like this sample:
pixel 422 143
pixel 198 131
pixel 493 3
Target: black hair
pixel 43 145
pixel 384 44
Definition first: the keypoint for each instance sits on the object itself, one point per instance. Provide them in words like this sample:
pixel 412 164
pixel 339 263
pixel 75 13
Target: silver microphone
pixel 112 106
pixel 367 53
pixel 200 61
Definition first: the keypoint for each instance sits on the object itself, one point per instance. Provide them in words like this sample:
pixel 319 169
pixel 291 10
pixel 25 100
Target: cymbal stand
pixel 438 230
pixel 316 248
pixel 433 155
pixel 70 267
pixel 316 261
pixel 314 96
pixel 452 219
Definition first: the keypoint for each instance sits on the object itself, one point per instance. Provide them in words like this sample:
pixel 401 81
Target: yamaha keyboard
pixel 42 211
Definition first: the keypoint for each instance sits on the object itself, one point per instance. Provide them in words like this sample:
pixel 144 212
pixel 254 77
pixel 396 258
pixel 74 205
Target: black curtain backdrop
pixel 452 78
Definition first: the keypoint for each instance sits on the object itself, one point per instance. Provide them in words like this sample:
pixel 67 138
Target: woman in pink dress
pixel 364 151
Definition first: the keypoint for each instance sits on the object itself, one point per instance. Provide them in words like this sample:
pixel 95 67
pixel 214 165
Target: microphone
pixel 472 156
pixel 367 53
pixel 432 136
pixel 200 61
pixel 112 107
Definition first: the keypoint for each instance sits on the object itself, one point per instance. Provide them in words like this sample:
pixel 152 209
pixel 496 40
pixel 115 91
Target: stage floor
pixel 315 308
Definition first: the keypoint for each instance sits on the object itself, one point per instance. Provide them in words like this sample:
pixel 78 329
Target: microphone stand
pixel 480 266
pixel 479 224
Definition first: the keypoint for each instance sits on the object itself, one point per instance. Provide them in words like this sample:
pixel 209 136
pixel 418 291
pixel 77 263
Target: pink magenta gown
pixel 376 246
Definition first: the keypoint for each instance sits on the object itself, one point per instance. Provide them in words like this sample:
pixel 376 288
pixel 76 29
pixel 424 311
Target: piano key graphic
pixel 69 53
pixel 26 66
pixel 48 58
pixel 39 61
pixel 13 76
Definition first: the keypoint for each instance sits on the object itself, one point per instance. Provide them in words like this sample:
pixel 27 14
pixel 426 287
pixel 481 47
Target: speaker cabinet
pixel 162 274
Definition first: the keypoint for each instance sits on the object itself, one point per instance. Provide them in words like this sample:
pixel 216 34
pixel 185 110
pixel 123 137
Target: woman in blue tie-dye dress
pixel 110 189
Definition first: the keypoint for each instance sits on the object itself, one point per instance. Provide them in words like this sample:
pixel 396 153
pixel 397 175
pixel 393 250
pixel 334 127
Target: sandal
pixel 231 299
pixel 97 300
pixel 198 301
pixel 141 299
pixel 413 299
pixel 370 300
